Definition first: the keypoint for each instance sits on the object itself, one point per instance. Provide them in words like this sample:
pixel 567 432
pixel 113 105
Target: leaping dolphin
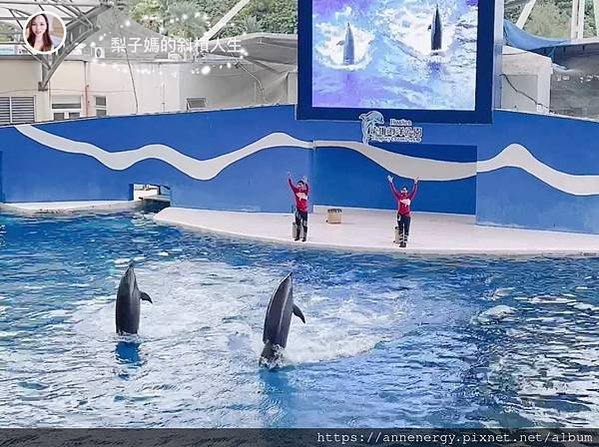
pixel 349 55
pixel 436 29
pixel 278 320
pixel 128 305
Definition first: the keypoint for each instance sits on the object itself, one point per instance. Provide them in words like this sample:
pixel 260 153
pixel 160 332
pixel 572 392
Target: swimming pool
pixel 389 341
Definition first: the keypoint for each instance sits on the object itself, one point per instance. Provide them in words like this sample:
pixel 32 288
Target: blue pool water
pixel 394 66
pixel 389 341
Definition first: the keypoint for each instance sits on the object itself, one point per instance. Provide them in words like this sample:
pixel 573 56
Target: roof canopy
pixel 17 12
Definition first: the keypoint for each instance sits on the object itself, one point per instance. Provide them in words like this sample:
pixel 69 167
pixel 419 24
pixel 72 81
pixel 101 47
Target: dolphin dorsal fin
pixel 298 313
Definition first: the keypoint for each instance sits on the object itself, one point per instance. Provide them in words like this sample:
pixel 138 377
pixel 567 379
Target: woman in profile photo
pixel 38 34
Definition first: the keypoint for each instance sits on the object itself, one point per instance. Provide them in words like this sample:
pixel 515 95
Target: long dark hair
pixel 31 37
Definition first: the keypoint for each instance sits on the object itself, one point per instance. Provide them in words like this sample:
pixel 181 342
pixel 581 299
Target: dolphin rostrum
pixel 436 29
pixel 128 304
pixel 278 320
pixel 349 57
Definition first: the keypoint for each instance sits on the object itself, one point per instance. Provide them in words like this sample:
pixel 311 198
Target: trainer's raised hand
pixel 416 179
pixel 390 179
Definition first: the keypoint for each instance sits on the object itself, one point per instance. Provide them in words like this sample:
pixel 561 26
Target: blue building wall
pixel 36 171
pixel 568 150
pixel 348 178
pixel 547 176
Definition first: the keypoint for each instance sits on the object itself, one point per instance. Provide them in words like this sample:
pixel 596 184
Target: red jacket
pixel 404 199
pixel 301 196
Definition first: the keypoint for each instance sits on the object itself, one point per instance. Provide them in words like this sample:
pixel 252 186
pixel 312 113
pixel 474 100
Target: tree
pixel 544 22
pixel 273 16
pixel 547 20
pixel 171 18
pixel 8 32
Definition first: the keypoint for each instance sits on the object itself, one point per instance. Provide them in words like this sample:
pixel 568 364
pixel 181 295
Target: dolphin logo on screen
pixel 369 122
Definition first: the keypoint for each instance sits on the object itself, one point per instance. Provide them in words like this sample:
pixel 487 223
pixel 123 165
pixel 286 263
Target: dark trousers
pixel 403 223
pixel 301 223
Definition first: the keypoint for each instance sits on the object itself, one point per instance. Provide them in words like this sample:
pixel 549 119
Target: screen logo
pixel 398 131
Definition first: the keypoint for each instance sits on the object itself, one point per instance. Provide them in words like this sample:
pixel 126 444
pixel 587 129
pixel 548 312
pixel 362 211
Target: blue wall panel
pixel 561 191
pixel 513 197
pixel 502 204
pixel 346 178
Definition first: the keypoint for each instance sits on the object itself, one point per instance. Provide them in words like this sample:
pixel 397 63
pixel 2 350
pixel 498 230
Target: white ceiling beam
pixel 225 19
pixel 525 14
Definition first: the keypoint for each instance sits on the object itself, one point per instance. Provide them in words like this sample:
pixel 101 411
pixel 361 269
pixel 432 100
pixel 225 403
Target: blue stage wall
pixel 567 155
pixel 38 169
pixel 524 170
pixel 34 172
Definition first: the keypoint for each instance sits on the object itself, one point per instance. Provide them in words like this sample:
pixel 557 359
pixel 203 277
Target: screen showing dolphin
pixel 436 32
pixel 349 56
pixel 415 58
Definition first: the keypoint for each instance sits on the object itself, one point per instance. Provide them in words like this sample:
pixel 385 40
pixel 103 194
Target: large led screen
pixel 427 60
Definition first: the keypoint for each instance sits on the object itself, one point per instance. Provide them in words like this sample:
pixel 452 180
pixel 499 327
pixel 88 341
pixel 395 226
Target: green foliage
pixel 172 18
pixel 548 20
pixel 551 18
pixel 273 16
pixel 6 31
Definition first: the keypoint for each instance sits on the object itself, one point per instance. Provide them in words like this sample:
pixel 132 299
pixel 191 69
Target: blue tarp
pixel 517 38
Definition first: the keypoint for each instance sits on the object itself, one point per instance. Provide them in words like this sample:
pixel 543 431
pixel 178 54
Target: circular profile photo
pixel 44 33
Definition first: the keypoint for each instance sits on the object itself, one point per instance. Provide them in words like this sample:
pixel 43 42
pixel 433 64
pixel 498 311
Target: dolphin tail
pixel 298 313
pixel 146 297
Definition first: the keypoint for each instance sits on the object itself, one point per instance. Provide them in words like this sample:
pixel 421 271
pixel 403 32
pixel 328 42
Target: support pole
pixel 225 19
pixel 525 14
pixel 574 19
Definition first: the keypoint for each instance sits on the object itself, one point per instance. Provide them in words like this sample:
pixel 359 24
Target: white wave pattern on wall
pixel 514 155
pixel 197 169
pixel 517 156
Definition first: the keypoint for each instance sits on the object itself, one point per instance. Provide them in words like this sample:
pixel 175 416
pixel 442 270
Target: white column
pixel 574 20
pixel 580 27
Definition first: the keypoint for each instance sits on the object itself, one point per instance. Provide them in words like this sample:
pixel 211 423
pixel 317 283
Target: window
pixel 196 103
pixel 17 110
pixel 66 107
pixel 101 106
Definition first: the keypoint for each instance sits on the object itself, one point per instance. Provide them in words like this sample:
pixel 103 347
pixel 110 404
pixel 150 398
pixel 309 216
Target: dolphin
pixel 436 29
pixel 278 320
pixel 128 305
pixel 349 56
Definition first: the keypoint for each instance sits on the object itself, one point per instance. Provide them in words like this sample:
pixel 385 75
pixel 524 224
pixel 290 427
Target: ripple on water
pixel 430 341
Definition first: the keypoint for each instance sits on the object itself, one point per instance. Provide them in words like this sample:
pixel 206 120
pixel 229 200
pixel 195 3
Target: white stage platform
pixel 372 231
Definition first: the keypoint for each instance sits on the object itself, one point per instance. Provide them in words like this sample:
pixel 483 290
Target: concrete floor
pixel 373 231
